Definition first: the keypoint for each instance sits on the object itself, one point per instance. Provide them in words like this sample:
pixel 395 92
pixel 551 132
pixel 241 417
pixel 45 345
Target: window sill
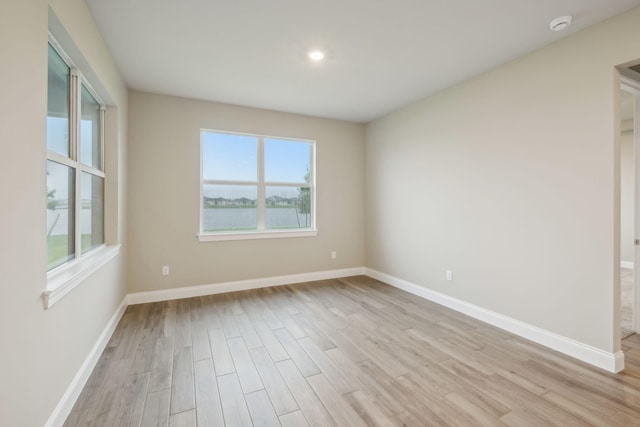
pixel 62 280
pixel 204 237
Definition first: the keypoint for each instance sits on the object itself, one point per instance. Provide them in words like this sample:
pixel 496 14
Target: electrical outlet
pixel 334 255
pixel 165 270
pixel 449 275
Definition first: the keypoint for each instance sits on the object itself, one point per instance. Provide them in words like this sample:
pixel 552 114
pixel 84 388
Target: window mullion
pixel 288 184
pixel 223 182
pixel 74 151
pixel 59 158
pixel 313 185
pixel 102 136
pixel 74 114
pixel 90 170
pixel 261 189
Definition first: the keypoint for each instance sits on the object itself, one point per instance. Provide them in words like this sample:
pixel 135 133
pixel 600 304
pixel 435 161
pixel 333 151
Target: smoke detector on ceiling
pixel 560 23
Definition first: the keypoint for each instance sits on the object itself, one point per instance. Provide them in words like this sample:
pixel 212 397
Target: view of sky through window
pixel 229 157
pixel 232 157
pixel 286 161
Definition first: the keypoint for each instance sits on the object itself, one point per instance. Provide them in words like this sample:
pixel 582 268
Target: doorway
pixel 629 207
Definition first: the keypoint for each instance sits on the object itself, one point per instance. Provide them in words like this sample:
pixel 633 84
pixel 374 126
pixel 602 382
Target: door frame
pixel 632 86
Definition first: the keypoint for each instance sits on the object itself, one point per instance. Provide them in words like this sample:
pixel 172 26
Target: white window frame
pixel 63 278
pixel 261 232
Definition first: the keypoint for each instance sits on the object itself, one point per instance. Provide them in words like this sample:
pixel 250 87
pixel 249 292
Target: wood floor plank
pixel 156 409
pixel 313 409
pixel 248 332
pixel 227 317
pixel 128 411
pixel 168 319
pixel 208 404
pixel 183 419
pixel 222 359
pixel 342 413
pixel 144 353
pixel 376 352
pixel 480 416
pixel 247 373
pixel 350 351
pixel 271 343
pixel 584 413
pixel 406 419
pixel 293 419
pixel 278 392
pixel 233 303
pixel 162 364
pixel 378 384
pixel 267 315
pixel 211 316
pixel 234 406
pixel 422 402
pixel 183 324
pixel 304 363
pixel 99 412
pixel 261 410
pixel 341 379
pixel 321 339
pixel 354 352
pixel 294 329
pixel 182 386
pixel 200 340
pixel 367 409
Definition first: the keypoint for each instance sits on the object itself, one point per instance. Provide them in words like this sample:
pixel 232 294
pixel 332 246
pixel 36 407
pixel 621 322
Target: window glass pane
pixel 91 211
pixel 286 161
pixel 60 214
pixel 288 207
pixel 58 104
pixel 229 207
pixel 90 130
pixel 229 157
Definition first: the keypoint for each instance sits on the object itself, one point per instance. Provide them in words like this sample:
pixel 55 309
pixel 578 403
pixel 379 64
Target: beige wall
pixel 510 180
pixel 164 156
pixel 42 350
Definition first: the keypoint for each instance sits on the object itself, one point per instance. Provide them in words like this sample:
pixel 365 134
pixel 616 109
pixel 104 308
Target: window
pixel 75 177
pixel 256 186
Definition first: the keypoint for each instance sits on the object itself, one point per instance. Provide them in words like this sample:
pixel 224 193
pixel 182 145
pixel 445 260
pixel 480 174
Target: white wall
pixel 511 180
pixel 164 177
pixel 42 350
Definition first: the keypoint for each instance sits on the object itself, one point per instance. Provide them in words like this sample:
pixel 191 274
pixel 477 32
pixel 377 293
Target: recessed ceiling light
pixel 560 23
pixel 316 55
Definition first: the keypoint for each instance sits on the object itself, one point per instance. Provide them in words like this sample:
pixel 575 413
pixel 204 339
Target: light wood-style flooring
pixel 345 352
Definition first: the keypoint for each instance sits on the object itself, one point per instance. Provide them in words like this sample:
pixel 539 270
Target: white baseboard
pixel 612 362
pixel 62 410
pixel 626 264
pixel 241 285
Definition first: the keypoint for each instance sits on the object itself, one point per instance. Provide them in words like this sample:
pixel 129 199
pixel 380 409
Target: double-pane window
pixel 256 184
pixel 75 177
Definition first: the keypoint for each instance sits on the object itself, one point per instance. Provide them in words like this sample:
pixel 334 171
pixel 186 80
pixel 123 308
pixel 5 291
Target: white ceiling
pixel 381 54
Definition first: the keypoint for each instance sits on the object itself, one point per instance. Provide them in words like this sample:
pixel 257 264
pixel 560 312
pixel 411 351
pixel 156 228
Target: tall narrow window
pixel 256 186
pixel 75 177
